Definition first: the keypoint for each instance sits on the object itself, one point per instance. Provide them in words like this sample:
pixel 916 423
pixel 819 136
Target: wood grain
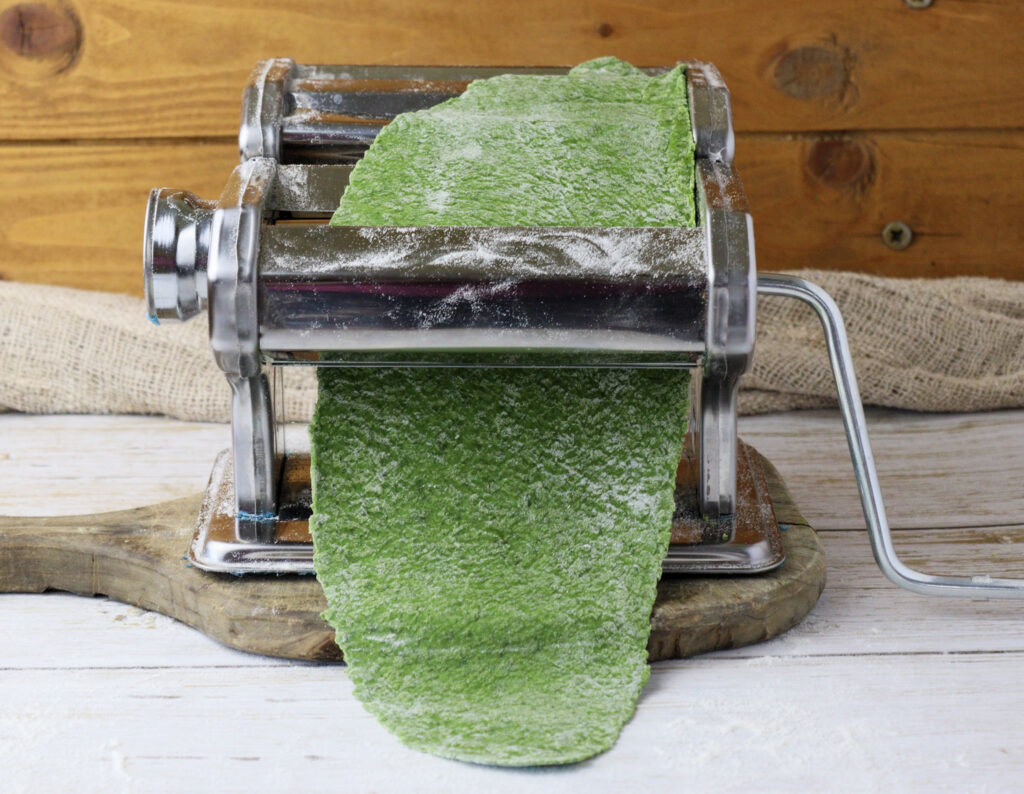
pixel 149 68
pixel 918 457
pixel 73 213
pixel 821 202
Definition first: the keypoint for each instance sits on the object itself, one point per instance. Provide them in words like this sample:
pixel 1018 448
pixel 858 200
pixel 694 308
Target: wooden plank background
pixel 850 113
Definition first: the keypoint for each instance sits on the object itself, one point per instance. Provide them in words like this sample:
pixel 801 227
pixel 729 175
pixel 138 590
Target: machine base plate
pixel 746 542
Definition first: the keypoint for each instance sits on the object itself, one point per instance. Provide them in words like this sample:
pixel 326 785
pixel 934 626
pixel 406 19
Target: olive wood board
pixel 137 556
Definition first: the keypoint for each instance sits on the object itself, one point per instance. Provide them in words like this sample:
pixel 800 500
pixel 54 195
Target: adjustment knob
pixel 175 251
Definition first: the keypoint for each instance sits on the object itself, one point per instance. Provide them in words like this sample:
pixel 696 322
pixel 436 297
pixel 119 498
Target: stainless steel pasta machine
pixel 281 287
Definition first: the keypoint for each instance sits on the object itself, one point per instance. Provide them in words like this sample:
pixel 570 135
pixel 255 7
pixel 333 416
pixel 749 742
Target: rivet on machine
pixel 305 292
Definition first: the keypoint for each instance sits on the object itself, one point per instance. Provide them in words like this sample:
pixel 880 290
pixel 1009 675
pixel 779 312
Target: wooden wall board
pixel 149 68
pixel 822 201
pixel 73 213
pixel 851 114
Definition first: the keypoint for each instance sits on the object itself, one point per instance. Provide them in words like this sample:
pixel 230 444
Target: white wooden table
pixel 878 690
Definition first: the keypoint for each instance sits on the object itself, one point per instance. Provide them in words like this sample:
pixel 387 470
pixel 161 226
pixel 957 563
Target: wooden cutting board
pixel 138 556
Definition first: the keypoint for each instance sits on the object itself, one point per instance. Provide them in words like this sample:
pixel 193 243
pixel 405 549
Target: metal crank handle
pixel 863 461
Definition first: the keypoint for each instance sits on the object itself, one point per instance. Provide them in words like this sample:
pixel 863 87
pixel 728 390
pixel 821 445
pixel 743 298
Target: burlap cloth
pixel 928 345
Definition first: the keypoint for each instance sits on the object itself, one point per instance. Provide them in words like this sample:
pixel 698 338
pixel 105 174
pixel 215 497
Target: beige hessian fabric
pixel 72 351
pixel 929 345
pixel 922 344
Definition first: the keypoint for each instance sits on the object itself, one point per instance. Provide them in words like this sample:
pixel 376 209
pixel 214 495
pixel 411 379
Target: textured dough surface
pixel 605 145
pixel 490 540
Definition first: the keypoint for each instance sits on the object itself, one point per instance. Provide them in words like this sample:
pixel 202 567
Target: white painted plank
pixel 862 612
pixel 941 724
pixel 935 469
pixel 65 465
pixel 60 465
pixel 57 631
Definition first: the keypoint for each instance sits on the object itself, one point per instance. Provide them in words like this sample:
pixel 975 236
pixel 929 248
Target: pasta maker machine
pixel 283 288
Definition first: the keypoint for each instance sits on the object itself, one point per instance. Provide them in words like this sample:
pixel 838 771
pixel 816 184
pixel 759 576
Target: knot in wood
pixel 813 72
pixel 37 30
pixel 841 163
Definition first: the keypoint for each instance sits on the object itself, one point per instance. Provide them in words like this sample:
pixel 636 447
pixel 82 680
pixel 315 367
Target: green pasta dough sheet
pixel 490 540
pixel 605 145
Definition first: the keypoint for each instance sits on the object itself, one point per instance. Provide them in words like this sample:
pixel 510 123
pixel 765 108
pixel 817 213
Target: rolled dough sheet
pixel 603 146
pixel 490 540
